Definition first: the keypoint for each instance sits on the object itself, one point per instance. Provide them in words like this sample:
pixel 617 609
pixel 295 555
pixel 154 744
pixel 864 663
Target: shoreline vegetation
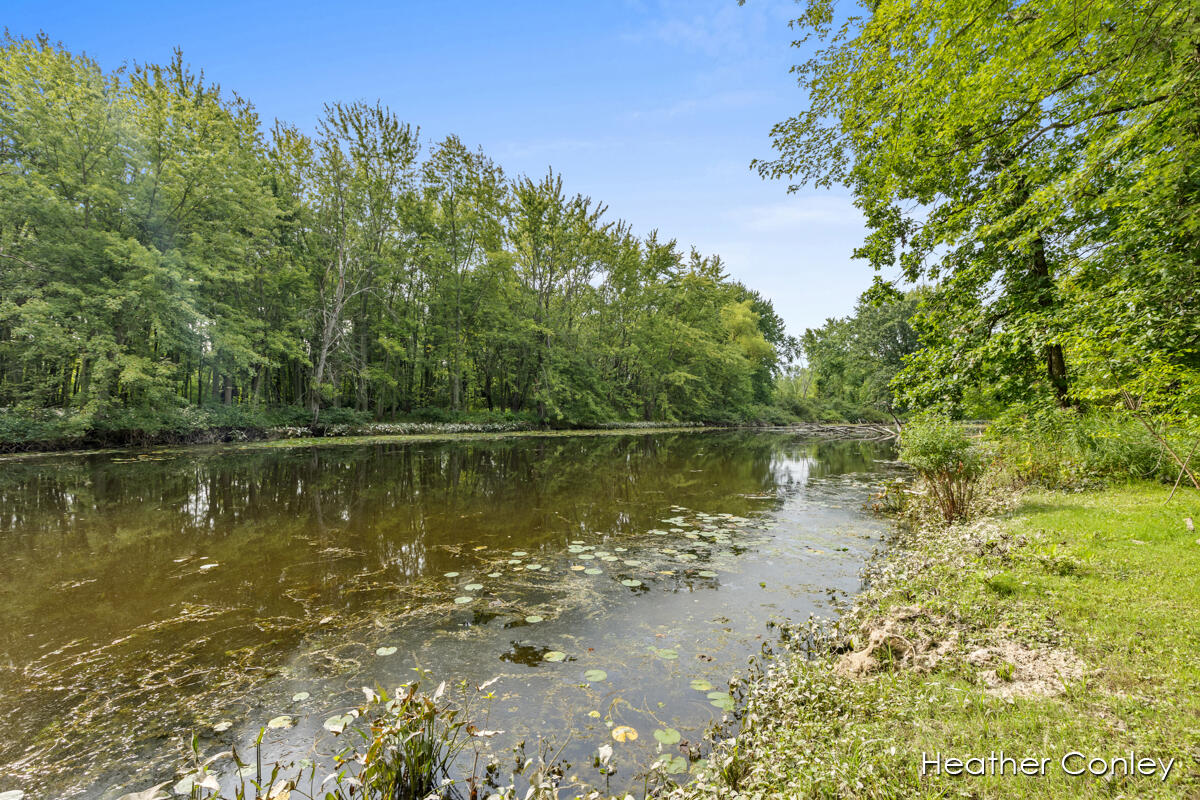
pixel 1029 631
pixel 171 263
pixel 357 433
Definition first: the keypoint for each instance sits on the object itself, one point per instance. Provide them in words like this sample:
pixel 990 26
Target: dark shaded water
pixel 143 597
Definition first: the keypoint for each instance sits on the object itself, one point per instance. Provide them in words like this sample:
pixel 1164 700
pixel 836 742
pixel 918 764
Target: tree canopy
pixel 1036 163
pixel 856 358
pixel 159 248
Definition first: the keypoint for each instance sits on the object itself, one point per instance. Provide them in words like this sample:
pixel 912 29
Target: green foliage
pixel 1035 164
pixel 1062 447
pixel 411 744
pixel 1003 584
pixel 855 359
pixel 948 461
pixel 160 253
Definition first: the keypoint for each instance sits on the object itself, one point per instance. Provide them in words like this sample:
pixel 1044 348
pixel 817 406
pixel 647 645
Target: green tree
pixel 164 264
pixel 856 358
pixel 1035 163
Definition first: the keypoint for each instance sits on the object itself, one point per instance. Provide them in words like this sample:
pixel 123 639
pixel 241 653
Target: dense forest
pixel 162 254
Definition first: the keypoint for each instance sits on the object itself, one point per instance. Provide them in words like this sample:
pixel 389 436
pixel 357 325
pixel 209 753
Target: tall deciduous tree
pixel 1036 163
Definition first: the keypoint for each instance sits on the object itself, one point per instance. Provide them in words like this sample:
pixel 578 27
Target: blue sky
pixel 654 107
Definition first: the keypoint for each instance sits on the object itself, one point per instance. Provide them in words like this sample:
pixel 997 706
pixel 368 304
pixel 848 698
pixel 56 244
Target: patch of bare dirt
pixel 911 638
pixel 1013 669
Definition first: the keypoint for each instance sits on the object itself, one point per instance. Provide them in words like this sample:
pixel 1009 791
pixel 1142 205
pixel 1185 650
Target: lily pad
pixel 673 765
pixel 632 583
pixel 450 574
pixel 701 685
pixel 667 736
pixel 624 733
pixel 595 675
pixel 338 723
pixel 593 571
pixel 495 574
pixel 186 785
pixel 462 601
pixel 554 655
pixel 473 587
pixel 519 553
pixel 300 697
pixel 721 700
pixel 586 556
pixel 282 721
pixel 220 727
pixel 578 567
pixel 534 619
pixel 706 573
pixel 608 558
pixel 533 566
pixel 385 651
pixel 667 653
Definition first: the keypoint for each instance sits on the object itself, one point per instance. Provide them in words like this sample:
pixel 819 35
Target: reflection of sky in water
pixel 145 597
pixel 792 471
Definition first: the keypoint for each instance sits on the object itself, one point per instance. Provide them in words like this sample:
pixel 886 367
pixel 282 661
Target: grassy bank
pixel 1066 622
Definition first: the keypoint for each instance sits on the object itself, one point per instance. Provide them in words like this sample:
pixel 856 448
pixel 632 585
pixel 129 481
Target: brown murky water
pixel 147 596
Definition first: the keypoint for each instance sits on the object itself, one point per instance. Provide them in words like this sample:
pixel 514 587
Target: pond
pixel 605 580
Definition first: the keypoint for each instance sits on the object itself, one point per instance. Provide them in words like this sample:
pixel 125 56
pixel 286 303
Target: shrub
pixel 1058 447
pixel 947 459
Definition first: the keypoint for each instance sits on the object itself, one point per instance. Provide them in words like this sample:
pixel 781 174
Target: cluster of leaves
pixel 159 248
pixel 1059 448
pixel 1035 164
pixel 947 459
pixel 854 359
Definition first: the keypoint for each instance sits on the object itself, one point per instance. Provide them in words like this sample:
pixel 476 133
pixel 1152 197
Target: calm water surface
pixel 146 596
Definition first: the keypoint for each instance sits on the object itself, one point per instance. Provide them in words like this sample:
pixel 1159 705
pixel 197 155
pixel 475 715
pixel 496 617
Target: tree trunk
pixel 1056 363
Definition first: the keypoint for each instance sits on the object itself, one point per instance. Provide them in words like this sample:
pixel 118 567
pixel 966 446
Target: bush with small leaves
pixel 947 459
